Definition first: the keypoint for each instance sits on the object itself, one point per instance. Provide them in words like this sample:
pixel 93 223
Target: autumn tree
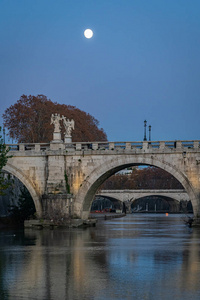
pixel 28 120
pixel 142 178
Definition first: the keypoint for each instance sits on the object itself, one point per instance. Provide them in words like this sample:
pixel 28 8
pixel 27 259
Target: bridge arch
pixel 174 204
pixel 23 178
pixel 89 187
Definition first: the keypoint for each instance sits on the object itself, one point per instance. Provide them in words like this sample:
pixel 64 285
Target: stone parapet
pixel 144 146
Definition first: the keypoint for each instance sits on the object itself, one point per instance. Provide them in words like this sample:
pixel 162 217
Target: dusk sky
pixel 143 61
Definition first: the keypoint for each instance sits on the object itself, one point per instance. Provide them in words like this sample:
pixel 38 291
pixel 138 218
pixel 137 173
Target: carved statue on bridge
pixel 69 125
pixel 55 120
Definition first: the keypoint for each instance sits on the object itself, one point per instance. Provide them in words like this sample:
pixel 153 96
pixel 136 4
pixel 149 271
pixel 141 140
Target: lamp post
pixel 149 132
pixel 145 127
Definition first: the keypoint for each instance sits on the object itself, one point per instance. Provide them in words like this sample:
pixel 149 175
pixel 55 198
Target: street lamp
pixel 145 127
pixel 149 132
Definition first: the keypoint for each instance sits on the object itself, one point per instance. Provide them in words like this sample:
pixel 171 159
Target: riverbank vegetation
pixel 24 209
pixel 21 211
pixel 4 180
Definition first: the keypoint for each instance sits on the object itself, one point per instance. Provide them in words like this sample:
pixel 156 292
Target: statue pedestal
pixel 68 139
pixel 57 137
pixel 57 143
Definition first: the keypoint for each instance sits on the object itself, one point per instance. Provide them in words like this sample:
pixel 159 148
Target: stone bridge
pixel 132 195
pixel 50 170
pixel 173 197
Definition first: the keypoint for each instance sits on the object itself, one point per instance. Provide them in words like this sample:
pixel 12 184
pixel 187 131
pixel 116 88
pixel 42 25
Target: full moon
pixel 88 33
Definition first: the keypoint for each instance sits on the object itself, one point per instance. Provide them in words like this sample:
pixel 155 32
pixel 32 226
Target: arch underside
pixel 103 172
pixel 27 183
pixel 158 196
pixel 110 198
pixel 157 204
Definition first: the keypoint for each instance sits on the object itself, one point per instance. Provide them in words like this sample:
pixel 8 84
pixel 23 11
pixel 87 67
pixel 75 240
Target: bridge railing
pixel 29 146
pixel 138 145
pixel 117 146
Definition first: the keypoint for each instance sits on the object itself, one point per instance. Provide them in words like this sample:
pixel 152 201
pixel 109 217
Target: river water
pixel 140 256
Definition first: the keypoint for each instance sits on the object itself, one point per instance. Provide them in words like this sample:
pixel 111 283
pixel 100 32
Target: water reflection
pixel 139 256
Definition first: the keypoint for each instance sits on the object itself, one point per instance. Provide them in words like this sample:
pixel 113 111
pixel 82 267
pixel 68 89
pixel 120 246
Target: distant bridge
pixel 132 195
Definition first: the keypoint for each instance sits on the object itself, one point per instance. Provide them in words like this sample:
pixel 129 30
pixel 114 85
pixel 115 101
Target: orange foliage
pixel 142 178
pixel 28 120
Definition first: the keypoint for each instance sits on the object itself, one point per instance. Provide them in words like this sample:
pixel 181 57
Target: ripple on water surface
pixel 136 257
